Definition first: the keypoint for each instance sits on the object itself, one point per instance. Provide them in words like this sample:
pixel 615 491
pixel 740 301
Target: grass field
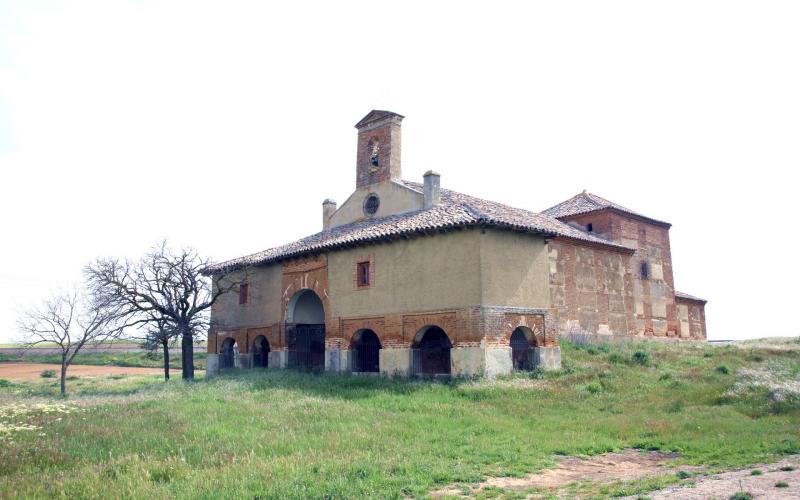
pixel 135 358
pixel 285 434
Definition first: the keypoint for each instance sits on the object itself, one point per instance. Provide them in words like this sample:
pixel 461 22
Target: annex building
pixel 409 278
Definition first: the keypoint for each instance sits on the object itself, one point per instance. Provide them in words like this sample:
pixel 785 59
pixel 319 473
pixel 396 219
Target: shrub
pixel 684 474
pixel 615 358
pixel 592 351
pixel 594 387
pixel 786 468
pixel 723 369
pixel 742 495
pixel 641 357
pixel 4 383
pixel 665 376
pixel 676 407
pixel 756 472
pixel 781 484
pixel 708 354
pixel 48 374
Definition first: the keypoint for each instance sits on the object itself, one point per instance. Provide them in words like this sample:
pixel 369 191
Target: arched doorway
pixel 366 347
pixel 305 331
pixel 228 354
pixel 522 339
pixel 261 352
pixel 432 352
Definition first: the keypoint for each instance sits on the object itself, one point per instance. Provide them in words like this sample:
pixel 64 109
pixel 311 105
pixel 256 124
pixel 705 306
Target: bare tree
pixel 70 320
pixel 160 334
pixel 165 285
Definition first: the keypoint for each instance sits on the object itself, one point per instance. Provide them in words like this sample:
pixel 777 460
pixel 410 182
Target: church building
pixel 410 278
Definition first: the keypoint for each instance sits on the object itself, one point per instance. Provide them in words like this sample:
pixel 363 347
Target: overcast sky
pixel 224 125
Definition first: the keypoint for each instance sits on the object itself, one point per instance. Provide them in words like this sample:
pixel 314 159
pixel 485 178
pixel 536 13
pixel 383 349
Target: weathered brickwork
pixel 590 289
pixel 691 318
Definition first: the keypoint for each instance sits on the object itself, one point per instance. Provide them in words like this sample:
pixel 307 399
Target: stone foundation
pixel 546 358
pixel 212 365
pixel 277 359
pixel 338 361
pixel 395 362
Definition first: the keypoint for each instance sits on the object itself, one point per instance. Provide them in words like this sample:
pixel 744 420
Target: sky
pixel 224 125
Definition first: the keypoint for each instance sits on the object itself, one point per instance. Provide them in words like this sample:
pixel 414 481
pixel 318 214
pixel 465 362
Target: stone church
pixel 409 278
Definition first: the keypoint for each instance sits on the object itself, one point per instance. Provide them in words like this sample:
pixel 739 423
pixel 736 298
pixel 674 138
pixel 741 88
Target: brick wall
pixel 590 289
pixel 653 299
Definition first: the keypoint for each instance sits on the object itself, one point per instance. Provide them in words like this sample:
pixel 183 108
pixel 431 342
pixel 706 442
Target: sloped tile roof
pixel 455 210
pixel 586 202
pixel 686 296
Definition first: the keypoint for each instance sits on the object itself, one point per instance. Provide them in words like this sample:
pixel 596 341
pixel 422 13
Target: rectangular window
pixel 589 227
pixel 362 274
pixel 645 270
pixel 243 293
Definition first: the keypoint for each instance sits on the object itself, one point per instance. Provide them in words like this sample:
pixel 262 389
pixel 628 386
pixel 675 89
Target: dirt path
pixel 630 465
pixel 625 466
pixel 32 371
pixel 729 483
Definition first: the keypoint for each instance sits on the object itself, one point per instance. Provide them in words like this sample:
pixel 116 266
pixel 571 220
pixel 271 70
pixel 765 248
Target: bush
pixel 756 472
pixel 781 484
pixel 4 383
pixel 594 387
pixel 664 377
pixel 641 358
pixel 786 468
pixel 48 374
pixel 742 495
pixel 684 474
pixel 615 358
pixel 723 369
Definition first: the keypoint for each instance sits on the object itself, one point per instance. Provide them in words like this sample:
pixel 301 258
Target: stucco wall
pixel 514 270
pixel 395 198
pixel 421 274
pixel 263 305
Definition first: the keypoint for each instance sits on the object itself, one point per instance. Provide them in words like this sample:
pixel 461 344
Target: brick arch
pixel 534 323
pixel 351 326
pixel 424 329
pixel 309 273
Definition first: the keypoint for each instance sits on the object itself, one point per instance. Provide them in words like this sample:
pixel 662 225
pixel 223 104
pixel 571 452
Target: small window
pixel 362 274
pixel 589 227
pixel 644 269
pixel 243 293
pixel 371 204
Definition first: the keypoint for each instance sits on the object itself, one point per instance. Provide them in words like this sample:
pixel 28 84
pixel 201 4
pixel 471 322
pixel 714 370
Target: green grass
pixel 285 434
pixel 134 358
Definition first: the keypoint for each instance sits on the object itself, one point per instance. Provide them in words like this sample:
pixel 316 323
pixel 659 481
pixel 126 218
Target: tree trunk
pixel 165 344
pixel 187 352
pixel 63 376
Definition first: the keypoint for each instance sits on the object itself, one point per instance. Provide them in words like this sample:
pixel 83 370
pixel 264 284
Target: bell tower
pixel 378 157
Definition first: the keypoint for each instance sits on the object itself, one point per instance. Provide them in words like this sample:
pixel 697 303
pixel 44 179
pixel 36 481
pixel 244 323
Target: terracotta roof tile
pixel 686 296
pixel 586 202
pixel 455 210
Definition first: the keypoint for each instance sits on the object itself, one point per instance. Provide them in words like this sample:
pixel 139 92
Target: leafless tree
pixel 70 320
pixel 159 334
pixel 163 286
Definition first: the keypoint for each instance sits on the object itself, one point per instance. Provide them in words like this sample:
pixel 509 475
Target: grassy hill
pixel 286 434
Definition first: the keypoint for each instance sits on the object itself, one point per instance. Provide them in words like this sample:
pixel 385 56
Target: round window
pixel 371 204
